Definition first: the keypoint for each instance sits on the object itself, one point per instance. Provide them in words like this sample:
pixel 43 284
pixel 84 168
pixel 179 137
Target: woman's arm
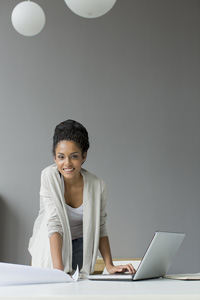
pixel 104 248
pixel 56 250
pixel 54 227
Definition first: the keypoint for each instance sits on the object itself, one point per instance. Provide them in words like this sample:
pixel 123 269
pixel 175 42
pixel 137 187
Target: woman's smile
pixel 68 170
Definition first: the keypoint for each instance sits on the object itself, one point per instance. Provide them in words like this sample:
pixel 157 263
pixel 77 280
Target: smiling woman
pixel 71 225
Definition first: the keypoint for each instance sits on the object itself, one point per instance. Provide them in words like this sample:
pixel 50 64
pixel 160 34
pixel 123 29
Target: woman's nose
pixel 67 161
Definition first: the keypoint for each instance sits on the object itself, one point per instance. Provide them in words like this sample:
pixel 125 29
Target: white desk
pixel 155 289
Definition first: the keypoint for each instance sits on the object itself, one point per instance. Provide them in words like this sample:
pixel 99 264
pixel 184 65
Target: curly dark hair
pixel 71 130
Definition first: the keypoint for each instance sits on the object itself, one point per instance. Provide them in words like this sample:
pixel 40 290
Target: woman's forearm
pixel 56 250
pixel 104 248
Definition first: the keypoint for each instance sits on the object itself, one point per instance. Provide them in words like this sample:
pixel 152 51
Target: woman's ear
pixel 84 157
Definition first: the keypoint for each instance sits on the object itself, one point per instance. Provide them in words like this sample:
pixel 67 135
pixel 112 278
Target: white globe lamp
pixel 90 8
pixel 28 18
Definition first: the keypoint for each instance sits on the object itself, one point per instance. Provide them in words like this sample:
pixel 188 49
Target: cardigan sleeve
pixel 103 215
pixel 52 216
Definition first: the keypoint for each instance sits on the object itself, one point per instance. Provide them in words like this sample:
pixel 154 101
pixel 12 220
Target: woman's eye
pixel 74 156
pixel 61 157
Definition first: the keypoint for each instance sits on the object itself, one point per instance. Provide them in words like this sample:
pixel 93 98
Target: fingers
pixel 128 267
pixel 132 268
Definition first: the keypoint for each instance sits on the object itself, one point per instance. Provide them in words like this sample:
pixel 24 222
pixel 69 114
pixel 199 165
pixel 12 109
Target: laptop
pixel 156 260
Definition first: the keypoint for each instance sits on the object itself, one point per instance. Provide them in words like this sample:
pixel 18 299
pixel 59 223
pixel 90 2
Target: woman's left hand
pixel 120 269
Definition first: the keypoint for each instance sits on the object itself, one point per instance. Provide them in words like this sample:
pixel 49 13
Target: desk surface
pixel 85 289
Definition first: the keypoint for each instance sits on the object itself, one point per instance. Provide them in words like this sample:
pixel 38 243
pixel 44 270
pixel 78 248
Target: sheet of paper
pixel 13 274
pixel 75 276
pixel 194 276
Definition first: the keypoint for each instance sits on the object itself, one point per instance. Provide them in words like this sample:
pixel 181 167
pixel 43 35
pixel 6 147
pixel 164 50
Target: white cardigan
pixel 53 218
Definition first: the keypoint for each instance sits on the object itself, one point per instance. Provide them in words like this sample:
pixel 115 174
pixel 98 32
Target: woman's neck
pixel 74 182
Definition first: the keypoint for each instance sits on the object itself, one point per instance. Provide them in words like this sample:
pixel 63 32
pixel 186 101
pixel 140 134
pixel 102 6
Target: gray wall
pixel 132 78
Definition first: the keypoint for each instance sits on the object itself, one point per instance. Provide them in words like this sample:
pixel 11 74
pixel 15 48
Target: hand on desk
pixel 120 269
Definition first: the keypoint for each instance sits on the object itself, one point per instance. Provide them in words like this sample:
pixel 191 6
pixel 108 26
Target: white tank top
pixel 75 216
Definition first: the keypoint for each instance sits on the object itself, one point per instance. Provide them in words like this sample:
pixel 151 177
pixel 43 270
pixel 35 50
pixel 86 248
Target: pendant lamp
pixel 90 8
pixel 28 18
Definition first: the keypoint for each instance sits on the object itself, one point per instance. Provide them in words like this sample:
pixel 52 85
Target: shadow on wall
pixel 8 233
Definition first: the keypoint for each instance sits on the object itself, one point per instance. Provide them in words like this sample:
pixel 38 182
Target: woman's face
pixel 69 158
